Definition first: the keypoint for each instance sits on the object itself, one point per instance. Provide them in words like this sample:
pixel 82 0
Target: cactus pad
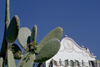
pixel 56 33
pixel 10 58
pixel 1 61
pixel 34 34
pixel 48 50
pixel 16 51
pixel 7 15
pixel 24 37
pixel 12 32
pixel 27 60
pixel 4 47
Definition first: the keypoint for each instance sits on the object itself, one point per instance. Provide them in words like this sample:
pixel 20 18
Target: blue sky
pixel 80 19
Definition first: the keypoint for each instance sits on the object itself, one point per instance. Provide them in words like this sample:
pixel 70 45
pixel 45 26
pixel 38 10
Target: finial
pixel 65 35
pixel 86 48
pixel 92 54
pixel 82 46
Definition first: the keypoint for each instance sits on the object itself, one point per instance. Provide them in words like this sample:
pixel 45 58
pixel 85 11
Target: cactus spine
pixel 46 49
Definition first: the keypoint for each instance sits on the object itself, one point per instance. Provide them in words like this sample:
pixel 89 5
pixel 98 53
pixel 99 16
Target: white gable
pixel 69 50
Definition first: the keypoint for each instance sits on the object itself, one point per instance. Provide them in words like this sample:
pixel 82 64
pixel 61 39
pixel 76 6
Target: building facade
pixel 71 54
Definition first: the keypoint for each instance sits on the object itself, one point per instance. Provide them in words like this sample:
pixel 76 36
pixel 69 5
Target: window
pixel 51 64
pixel 66 62
pixel 77 63
pixel 55 63
pixel 72 63
pixel 91 63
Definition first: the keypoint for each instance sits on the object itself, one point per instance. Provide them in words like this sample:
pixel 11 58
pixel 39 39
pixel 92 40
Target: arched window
pixel 91 63
pixel 55 63
pixel 72 63
pixel 83 64
pixel 60 61
pixel 66 62
pixel 77 63
pixel 51 64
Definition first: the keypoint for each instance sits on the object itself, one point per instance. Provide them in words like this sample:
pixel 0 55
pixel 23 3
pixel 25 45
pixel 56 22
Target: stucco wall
pixel 71 51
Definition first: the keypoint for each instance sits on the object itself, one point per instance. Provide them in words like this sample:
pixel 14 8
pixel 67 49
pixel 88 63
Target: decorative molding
pixel 69 47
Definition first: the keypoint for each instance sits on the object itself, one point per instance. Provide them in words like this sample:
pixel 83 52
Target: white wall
pixel 71 51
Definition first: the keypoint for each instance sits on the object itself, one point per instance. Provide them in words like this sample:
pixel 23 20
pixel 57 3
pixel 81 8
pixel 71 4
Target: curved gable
pixel 71 51
pixel 69 45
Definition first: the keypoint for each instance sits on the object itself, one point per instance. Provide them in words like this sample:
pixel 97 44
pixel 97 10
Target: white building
pixel 71 54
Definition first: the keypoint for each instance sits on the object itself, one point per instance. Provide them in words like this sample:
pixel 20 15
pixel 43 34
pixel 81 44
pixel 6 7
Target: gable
pixel 72 51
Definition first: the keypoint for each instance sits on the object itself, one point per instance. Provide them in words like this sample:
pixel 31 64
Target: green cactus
pixel 10 59
pixel 56 33
pixel 24 37
pixel 7 21
pixel 17 52
pixel 51 41
pixel 1 61
pixel 48 50
pixel 7 15
pixel 27 60
pixel 12 32
pixel 34 34
pixel 34 52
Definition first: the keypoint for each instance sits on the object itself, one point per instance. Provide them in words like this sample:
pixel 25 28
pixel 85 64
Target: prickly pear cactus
pixel 12 32
pixel 24 37
pixel 27 60
pixel 56 33
pixel 31 51
pixel 34 34
pixel 7 21
pixel 17 52
pixel 46 49
pixel 10 35
pixel 1 61
pixel 10 59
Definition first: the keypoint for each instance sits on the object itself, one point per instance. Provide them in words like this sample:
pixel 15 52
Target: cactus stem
pixel 7 21
pixel 17 19
pixel 7 14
